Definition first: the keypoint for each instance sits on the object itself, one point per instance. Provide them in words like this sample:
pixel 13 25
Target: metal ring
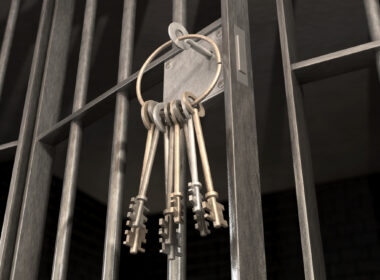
pixel 184 110
pixel 204 94
pixel 187 98
pixel 177 110
pixel 172 115
pixel 157 119
pixel 146 113
pixel 173 30
pixel 168 119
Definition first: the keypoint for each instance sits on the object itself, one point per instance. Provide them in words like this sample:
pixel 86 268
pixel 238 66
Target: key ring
pixel 204 94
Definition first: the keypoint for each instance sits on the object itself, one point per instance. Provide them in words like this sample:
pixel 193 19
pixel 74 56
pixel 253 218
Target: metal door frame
pixel 27 203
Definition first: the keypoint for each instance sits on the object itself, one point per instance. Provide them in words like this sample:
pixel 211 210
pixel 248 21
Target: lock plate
pixel 192 71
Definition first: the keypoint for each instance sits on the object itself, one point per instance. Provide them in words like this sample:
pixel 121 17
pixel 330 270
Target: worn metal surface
pixel 66 215
pixel 102 105
pixel 32 219
pixel 335 63
pixel 372 8
pixel 7 40
pixel 112 241
pixel 312 250
pixel 21 160
pixel 191 71
pixel 176 269
pixel 244 191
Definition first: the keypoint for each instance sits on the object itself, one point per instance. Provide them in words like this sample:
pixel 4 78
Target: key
pixel 169 231
pixel 213 208
pixel 135 236
pixel 176 196
pixel 195 196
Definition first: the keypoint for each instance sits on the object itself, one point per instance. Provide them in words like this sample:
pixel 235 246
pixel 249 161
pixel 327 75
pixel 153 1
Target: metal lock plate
pixel 192 71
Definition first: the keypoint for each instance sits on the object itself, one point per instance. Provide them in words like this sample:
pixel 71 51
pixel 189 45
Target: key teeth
pixel 135 237
pixel 170 237
pixel 214 212
pixel 136 232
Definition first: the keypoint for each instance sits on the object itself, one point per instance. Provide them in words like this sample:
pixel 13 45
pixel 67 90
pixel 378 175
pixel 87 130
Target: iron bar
pixel 62 245
pixel 21 159
pixel 33 213
pixel 112 242
pixel 102 105
pixel 335 63
pixel 312 249
pixel 176 269
pixel 244 192
pixel 7 40
pixel 372 8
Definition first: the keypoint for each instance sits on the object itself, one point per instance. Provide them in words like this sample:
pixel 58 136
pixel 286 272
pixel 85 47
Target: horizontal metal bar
pixel 335 63
pixel 104 104
pixel 7 150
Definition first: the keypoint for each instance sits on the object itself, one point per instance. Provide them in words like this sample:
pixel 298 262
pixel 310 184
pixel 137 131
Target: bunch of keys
pixel 170 119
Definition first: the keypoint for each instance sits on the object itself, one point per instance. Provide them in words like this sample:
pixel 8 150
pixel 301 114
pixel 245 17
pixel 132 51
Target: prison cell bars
pixel 7 40
pixel 246 229
pixel 65 221
pixel 296 73
pixel 112 240
pixel 33 213
pixel 23 145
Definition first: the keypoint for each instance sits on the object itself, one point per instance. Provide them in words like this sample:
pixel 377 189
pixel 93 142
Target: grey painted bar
pixel 66 215
pixel 312 250
pixel 244 190
pixel 176 269
pixel 21 159
pixel 7 40
pixel 372 8
pixel 33 213
pixel 335 63
pixel 112 242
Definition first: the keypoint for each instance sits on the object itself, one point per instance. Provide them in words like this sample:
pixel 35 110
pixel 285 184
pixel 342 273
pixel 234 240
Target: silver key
pixel 176 196
pixel 212 206
pixel 195 196
pixel 135 236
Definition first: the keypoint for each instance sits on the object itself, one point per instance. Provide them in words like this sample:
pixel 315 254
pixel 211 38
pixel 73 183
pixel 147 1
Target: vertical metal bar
pixel 244 192
pixel 62 245
pixel 179 11
pixel 33 213
pixel 20 166
pixel 372 8
pixel 176 269
pixel 312 249
pixel 7 40
pixel 112 242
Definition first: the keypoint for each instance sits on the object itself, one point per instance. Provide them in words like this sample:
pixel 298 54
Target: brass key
pixel 212 206
pixel 135 236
